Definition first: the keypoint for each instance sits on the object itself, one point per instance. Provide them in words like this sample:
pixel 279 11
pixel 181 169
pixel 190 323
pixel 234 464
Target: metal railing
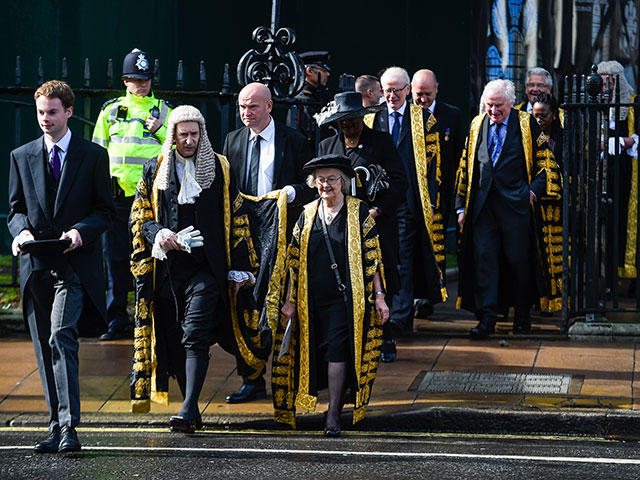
pixel 600 224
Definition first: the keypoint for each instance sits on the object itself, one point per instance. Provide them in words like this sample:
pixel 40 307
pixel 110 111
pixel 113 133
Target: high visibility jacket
pixel 121 129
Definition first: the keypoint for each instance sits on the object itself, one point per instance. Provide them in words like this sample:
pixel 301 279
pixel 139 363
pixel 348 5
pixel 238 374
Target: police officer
pixel 132 128
pixel 317 74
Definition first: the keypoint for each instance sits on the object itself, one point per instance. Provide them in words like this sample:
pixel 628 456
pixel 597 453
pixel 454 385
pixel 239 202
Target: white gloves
pixel 291 193
pixel 189 238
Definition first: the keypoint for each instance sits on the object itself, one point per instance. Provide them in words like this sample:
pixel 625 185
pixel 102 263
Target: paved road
pixel 156 453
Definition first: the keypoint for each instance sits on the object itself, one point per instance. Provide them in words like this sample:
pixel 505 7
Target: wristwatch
pixel 380 292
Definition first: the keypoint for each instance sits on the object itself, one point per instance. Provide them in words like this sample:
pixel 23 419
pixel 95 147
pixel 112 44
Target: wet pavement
pixel 156 453
pixel 601 393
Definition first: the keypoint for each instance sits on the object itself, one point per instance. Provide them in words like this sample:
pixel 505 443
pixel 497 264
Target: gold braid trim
pixel 368 119
pixel 421 161
pixel 251 360
pixel 527 146
pixel 303 399
pixel 354 247
pixel 272 299
pixel 629 268
pixel 471 157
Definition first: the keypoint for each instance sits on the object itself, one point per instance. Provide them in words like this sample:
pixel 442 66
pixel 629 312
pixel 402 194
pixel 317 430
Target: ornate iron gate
pixel 600 201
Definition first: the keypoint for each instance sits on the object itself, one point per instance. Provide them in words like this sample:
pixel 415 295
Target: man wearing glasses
pixel 538 81
pixel 414 134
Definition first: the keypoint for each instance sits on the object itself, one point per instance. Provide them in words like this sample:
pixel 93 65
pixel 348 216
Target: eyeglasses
pixel 542 116
pixel 537 85
pixel 328 180
pixel 389 91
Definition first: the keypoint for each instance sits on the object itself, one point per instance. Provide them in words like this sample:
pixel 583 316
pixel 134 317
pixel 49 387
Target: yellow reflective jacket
pixel 121 129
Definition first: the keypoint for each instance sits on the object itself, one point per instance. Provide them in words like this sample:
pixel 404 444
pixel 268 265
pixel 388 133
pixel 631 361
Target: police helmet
pixel 137 65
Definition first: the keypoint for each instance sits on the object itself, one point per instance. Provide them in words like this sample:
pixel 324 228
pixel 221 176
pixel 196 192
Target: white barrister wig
pixel 205 157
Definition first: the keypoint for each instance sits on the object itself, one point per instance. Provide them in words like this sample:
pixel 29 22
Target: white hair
pixel 611 67
pixel 205 156
pixel 398 73
pixel 506 87
pixel 540 71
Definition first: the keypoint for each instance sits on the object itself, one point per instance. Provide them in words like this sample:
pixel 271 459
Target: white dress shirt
pixel 432 108
pixel 392 120
pixel 267 157
pixel 63 147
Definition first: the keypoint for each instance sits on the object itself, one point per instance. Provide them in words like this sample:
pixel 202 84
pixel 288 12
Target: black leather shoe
pixel 388 351
pixel 182 425
pixel 247 393
pixel 423 309
pixel 112 334
pixel 522 325
pixel 483 329
pixel 69 440
pixel 50 444
pixel 332 432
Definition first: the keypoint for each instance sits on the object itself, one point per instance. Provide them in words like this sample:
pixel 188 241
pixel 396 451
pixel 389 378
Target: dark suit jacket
pixel 378 148
pixel 509 176
pixel 427 282
pixel 84 201
pixel 292 151
pixel 209 210
pixel 452 135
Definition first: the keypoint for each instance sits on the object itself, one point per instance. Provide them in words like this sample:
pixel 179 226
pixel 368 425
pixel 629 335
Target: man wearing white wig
pixel 624 128
pixel 185 204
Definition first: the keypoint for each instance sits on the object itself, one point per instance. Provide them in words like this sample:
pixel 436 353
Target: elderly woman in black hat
pixel 329 330
pixel 375 151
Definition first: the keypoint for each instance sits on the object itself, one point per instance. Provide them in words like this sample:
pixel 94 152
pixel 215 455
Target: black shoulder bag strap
pixel 334 265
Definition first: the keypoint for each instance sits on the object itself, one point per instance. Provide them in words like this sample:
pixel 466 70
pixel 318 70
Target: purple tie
pixel 55 162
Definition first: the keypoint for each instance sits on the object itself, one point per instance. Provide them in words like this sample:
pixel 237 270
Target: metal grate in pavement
pixel 494 382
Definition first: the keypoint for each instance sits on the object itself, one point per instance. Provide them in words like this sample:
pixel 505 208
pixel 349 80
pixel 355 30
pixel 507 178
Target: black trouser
pixel 501 244
pixel 116 247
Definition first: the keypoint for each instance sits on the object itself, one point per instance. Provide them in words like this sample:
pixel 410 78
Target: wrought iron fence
pixel 600 220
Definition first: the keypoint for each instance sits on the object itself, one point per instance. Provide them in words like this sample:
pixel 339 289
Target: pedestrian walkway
pixel 437 367
pixel 603 376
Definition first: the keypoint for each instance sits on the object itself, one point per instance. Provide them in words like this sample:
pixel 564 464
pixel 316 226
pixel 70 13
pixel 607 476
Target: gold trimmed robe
pixel 546 213
pixel 292 377
pixel 148 381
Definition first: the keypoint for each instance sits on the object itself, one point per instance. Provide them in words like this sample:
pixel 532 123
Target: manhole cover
pixel 494 382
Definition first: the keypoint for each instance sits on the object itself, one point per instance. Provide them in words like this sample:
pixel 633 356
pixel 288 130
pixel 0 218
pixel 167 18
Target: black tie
pixel 254 168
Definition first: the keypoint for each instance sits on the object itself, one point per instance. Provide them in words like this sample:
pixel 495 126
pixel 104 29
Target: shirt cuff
pixel 157 251
pixel 633 150
pixel 291 193
pixel 535 197
pixel 459 211
pixel 238 276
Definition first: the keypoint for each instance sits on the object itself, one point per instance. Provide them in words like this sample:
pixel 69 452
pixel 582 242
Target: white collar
pixel 400 110
pixel 432 107
pixel 266 134
pixel 63 143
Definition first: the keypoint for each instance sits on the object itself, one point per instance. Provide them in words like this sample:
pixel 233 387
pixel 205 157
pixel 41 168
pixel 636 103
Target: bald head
pixel 424 87
pixel 255 104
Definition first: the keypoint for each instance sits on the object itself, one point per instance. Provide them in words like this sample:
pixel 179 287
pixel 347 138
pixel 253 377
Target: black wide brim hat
pixel 345 105
pixel 332 160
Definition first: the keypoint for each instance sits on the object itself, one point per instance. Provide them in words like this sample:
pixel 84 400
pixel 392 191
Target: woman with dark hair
pixel 547 114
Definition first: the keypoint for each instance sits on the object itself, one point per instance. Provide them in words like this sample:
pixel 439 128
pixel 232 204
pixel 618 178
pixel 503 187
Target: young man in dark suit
pixel 59 188
pixel 265 155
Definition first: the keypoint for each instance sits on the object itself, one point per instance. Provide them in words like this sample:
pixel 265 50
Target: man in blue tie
pixel 413 131
pixel 59 188
pixel 506 169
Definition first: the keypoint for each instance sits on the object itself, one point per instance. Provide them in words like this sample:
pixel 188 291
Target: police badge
pixel 142 63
